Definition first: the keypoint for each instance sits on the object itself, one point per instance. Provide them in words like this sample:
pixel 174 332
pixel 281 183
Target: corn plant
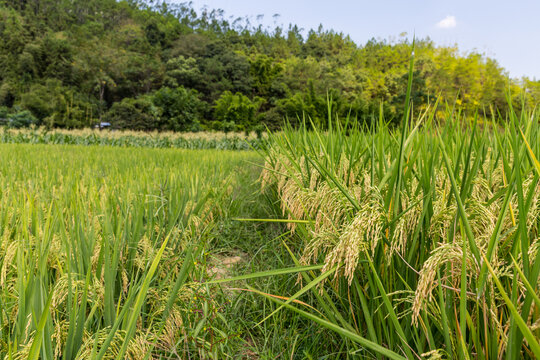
pixel 89 137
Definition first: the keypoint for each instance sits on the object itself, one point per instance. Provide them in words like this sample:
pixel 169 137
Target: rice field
pixel 103 250
pixel 352 242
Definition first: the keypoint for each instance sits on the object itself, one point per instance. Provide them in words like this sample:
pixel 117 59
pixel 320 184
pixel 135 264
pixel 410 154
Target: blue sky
pixel 508 31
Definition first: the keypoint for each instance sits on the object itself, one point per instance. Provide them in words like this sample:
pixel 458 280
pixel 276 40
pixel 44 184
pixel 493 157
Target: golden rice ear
pixel 8 261
pixel 23 352
pixel 360 236
pixel 438 354
pixel 405 226
pixel 139 346
pixel 536 325
pixel 59 337
pixel 173 330
pixel 448 253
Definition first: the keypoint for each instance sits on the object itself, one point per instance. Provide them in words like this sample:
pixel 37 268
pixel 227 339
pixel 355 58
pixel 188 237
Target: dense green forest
pixel 145 66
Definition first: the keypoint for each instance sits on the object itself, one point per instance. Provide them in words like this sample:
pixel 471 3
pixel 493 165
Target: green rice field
pixel 348 242
pixel 103 250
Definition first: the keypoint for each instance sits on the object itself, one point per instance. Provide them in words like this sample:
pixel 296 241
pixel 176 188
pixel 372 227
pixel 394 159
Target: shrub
pixel 22 119
pixel 259 130
pixel 17 120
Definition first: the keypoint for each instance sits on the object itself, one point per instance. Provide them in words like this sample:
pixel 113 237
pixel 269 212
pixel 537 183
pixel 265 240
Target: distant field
pixel 198 140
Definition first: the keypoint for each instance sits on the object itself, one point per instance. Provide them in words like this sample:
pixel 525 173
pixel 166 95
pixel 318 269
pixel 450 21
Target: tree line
pixel 162 66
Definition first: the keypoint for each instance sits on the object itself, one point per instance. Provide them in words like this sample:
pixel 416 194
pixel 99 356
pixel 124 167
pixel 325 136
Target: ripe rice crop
pixel 427 235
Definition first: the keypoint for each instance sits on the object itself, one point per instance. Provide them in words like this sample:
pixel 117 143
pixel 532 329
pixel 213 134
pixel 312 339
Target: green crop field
pixel 103 250
pixel 180 181
pixel 379 242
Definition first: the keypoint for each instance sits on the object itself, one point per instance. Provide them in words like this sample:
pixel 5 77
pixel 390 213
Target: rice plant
pixel 427 235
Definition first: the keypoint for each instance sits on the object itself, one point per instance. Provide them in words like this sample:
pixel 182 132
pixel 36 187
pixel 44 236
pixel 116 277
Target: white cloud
pixel 447 23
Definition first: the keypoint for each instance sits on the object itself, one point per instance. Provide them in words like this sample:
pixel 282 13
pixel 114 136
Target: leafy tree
pixel 8 94
pixel 307 105
pixel 14 36
pixel 21 119
pixel 236 108
pixel 264 70
pixel 133 114
pixel 180 109
pixel 182 71
pixel 223 70
pixel 532 91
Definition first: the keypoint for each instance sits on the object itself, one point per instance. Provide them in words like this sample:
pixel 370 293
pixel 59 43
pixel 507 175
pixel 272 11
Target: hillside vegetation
pixel 150 66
